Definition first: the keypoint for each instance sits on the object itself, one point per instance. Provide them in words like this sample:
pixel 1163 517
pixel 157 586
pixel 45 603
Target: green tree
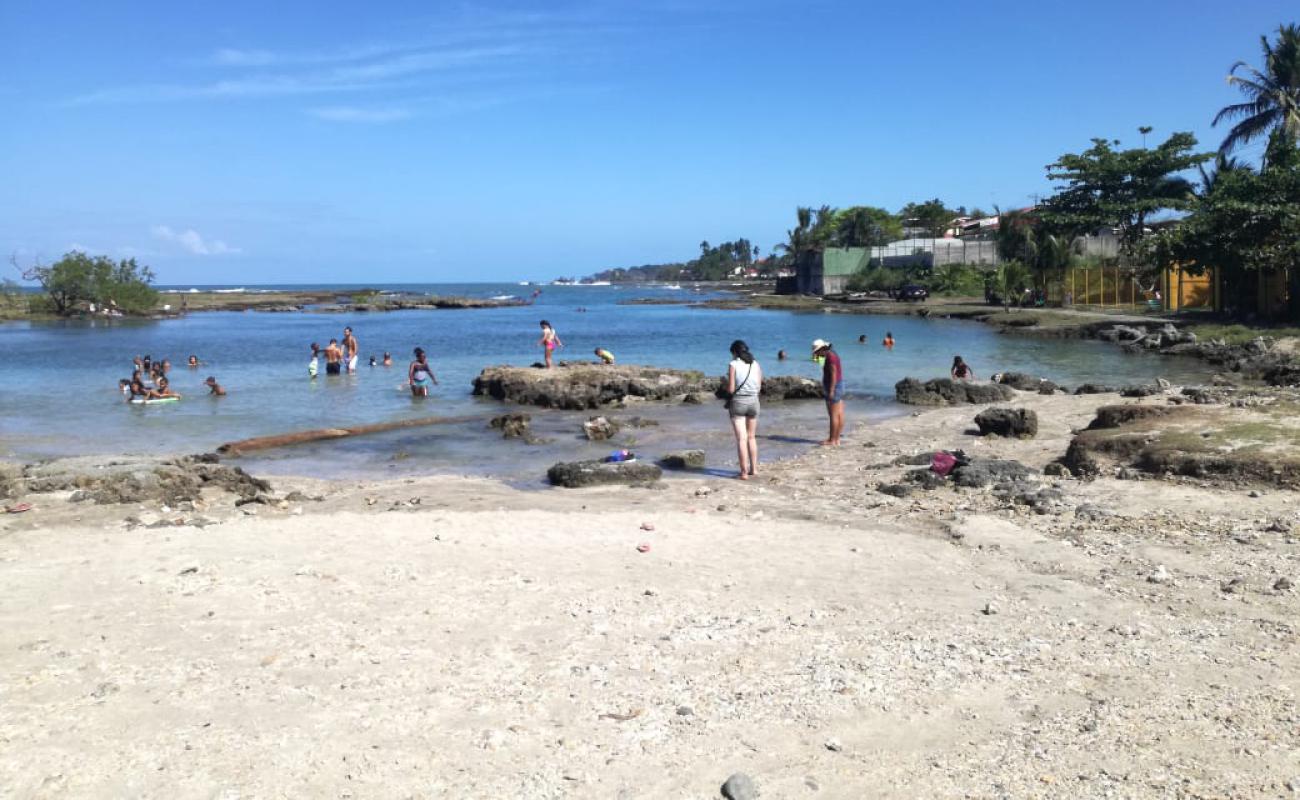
pixel 78 279
pixel 932 217
pixel 1110 188
pixel 1273 93
pixel 1009 281
pixel 1243 221
pixel 867 226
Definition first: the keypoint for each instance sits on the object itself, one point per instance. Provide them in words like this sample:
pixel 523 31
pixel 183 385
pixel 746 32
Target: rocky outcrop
pixel 1094 388
pixel 580 386
pixel 587 386
pixel 1027 383
pixel 981 472
pixel 513 426
pixel 1009 422
pixel 1117 416
pixel 577 474
pixel 137 480
pixel 598 429
pixel 791 387
pixel 947 392
pixel 683 459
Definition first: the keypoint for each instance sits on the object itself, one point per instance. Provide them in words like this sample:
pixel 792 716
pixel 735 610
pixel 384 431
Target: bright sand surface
pixel 825 639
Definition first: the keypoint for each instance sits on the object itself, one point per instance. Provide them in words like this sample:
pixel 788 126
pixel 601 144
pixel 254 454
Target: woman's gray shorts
pixel 744 406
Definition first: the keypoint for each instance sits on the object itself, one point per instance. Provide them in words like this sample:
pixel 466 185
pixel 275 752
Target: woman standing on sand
pixel 550 341
pixel 744 381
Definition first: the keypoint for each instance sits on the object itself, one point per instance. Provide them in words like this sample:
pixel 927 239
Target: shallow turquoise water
pixel 60 395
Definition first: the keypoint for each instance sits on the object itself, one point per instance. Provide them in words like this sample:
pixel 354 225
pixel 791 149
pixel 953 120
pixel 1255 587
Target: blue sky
pixel 242 142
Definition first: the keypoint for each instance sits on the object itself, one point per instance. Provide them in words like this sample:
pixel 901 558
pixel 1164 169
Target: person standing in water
pixel 420 376
pixel 351 350
pixel 550 341
pixel 833 384
pixel 215 389
pixel 889 340
pixel 314 364
pixel 333 358
pixel 744 382
pixel 961 371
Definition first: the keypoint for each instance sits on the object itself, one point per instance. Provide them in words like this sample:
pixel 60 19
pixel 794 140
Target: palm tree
pixel 798 239
pixel 1223 165
pixel 1273 93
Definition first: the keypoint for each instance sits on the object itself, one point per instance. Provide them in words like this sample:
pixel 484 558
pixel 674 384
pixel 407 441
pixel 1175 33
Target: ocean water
pixel 59 395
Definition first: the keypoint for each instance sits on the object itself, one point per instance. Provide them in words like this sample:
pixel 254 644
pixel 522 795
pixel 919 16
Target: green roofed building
pixel 828 272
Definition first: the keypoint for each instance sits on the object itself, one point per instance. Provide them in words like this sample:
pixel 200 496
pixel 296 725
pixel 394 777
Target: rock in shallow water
pixel 576 474
pixel 683 459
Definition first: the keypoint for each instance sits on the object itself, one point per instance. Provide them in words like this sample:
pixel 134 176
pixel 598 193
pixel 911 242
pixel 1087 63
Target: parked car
pixel 913 292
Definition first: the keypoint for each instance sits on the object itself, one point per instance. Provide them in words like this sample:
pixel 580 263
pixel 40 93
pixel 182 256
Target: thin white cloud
pixel 234 57
pixel 190 240
pixel 355 114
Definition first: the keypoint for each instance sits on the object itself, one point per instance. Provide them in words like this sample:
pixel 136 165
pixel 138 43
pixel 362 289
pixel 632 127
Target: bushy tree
pixel 1106 187
pixel 1243 220
pixel 78 279
pixel 932 216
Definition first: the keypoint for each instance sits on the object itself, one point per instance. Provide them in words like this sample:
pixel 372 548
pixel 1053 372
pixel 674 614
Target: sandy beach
pixel 446 637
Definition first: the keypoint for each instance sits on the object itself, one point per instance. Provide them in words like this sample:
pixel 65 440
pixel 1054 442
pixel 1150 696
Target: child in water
pixel 961 371
pixel 215 389
pixel 889 340
pixel 313 366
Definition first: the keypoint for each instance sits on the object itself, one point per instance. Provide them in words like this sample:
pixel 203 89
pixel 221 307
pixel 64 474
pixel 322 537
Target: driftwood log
pixel 321 434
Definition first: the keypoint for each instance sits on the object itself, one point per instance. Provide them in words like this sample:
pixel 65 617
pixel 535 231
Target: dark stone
pixel 1027 383
pixel 947 392
pixel 1018 422
pixel 894 489
pixel 1094 388
pixel 683 459
pixel 739 787
pixel 983 472
pixel 1057 469
pixel 917 460
pixel 1283 375
pixel 925 478
pixel 598 429
pixel 575 474
pixel 141 480
pixel 512 426
pixel 1144 390
pixel 1117 416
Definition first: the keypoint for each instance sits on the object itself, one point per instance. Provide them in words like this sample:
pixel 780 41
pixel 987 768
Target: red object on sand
pixel 18 509
pixel 643 548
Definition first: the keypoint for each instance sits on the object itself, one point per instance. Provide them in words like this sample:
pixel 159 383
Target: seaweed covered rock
pixel 1010 422
pixel 947 392
pixel 576 474
pixel 1094 388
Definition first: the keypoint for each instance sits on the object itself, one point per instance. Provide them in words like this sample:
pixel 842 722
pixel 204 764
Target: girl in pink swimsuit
pixel 550 341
